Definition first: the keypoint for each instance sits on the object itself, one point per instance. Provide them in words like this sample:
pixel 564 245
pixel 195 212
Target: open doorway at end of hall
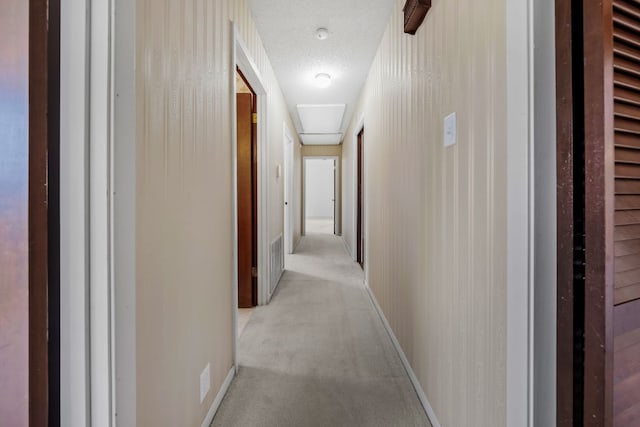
pixel 321 193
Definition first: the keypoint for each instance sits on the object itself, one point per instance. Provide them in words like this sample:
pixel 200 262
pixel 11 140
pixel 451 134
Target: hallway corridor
pixel 318 354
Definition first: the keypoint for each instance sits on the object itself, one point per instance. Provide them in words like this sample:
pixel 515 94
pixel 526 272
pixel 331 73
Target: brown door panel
pixel 245 200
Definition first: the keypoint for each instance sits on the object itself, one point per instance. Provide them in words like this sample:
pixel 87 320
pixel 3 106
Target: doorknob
pixel 286 203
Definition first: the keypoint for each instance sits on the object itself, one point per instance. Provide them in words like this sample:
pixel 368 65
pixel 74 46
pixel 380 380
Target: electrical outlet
pixel 205 382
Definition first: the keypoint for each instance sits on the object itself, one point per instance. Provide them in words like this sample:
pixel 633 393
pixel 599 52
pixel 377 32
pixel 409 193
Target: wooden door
pixel 626 215
pixel 360 207
pixel 247 203
pixel 598 45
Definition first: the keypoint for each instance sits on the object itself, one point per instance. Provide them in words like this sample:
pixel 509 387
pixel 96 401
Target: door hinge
pixel 254 272
pixel 254 117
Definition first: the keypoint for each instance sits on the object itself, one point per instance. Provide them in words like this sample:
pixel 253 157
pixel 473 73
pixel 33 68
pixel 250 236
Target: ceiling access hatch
pixel 321 138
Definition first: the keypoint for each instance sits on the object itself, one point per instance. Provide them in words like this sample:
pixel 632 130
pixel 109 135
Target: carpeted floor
pixel 318 354
pixel 318 226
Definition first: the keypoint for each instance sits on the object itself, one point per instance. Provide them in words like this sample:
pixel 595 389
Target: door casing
pixel 289 207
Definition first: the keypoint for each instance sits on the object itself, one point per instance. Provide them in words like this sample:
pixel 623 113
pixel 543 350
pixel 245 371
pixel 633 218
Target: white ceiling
pixel 288 31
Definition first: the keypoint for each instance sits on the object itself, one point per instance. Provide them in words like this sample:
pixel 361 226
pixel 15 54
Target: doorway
pixel 247 192
pixel 320 205
pixel 360 199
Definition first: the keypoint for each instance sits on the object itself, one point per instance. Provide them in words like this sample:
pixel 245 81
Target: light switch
pixel 450 130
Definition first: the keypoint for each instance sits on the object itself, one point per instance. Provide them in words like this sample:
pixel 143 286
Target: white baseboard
pixel 346 247
pixel 218 400
pixel 405 362
pixel 277 284
pixel 295 246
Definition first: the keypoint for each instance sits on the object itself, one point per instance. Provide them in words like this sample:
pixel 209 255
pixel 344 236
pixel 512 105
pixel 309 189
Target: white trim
pixel 354 142
pixel 531 217
pixel 289 183
pixel 346 245
pixel 100 214
pixel 234 179
pixel 519 208
pixel 277 285
pixel 405 362
pixel 544 190
pixel 124 195
pixel 264 191
pixel 295 249
pixel 74 213
pixel 219 397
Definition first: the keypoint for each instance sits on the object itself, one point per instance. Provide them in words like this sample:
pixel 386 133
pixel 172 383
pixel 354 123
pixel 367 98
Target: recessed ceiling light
pixel 322 34
pixel 323 80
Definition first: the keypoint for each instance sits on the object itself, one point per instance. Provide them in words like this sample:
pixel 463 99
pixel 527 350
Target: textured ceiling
pixel 288 31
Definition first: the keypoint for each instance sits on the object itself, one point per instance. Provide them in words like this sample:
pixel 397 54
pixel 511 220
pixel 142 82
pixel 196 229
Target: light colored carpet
pixel 318 226
pixel 244 315
pixel 318 355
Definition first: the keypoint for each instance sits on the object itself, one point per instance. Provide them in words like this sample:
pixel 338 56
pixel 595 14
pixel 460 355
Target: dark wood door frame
pixel 585 188
pixel 360 199
pixel 44 255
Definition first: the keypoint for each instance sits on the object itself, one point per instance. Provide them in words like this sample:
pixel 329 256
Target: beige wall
pixel 321 151
pixel 184 199
pixel 436 258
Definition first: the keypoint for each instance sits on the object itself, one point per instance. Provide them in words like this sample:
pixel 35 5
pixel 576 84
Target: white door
pixel 288 195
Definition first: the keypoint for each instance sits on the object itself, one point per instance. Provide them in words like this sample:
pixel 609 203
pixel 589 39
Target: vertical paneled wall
pixel 14 163
pixel 184 199
pixel 436 257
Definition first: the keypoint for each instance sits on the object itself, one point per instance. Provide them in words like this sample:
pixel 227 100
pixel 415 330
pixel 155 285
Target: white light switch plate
pixel 205 382
pixel 450 130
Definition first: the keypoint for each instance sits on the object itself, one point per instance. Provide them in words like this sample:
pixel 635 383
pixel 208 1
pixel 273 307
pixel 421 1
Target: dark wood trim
pixel 584 72
pixel 53 203
pixel 38 242
pixel 360 201
pixel 414 13
pixel 565 206
pixel 598 102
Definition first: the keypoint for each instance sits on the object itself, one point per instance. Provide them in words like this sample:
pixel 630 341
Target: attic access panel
pixel 321 139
